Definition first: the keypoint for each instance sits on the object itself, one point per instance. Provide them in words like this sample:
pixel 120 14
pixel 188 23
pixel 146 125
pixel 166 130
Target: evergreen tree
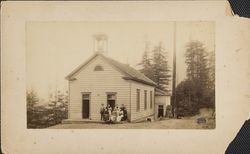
pixel 146 62
pixel 160 67
pixel 197 69
pixel 32 100
pixel 186 98
pixel 59 107
pixel 211 82
pixel 33 111
pixel 40 116
pixel 156 66
pixel 211 66
pixel 197 90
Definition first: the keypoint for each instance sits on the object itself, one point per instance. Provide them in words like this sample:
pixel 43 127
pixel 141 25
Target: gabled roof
pixel 159 92
pixel 131 73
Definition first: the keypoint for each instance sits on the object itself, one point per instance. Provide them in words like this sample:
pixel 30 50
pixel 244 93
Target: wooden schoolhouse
pixel 102 80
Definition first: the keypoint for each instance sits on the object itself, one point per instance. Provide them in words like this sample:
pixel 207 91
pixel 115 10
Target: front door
pixel 111 103
pixel 160 111
pixel 111 97
pixel 85 106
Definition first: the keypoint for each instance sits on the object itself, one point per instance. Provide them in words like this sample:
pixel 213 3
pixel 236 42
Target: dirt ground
pixel 184 123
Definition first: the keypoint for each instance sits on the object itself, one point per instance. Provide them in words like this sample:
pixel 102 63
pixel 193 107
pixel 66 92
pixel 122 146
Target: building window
pixel 98 68
pixel 145 99
pixel 138 99
pixel 151 99
pixel 85 96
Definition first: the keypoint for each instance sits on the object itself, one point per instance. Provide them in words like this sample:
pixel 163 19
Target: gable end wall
pixel 97 83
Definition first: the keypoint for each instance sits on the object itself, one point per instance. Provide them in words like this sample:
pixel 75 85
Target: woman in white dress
pixel 119 115
pixel 109 111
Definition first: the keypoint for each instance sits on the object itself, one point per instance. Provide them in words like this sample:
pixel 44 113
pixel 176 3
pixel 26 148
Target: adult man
pixel 102 110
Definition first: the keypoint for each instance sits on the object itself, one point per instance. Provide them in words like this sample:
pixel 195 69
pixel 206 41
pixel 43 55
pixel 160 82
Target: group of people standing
pixel 116 114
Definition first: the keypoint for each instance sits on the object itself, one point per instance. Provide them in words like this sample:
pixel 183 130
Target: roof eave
pixel 80 67
pixel 138 80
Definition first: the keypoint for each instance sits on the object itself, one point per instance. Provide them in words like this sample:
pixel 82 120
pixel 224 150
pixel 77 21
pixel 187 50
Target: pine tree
pixel 211 82
pixel 146 62
pixel 32 114
pixel 59 106
pixel 197 69
pixel 186 98
pixel 32 99
pixel 160 67
pixel 211 66
pixel 156 66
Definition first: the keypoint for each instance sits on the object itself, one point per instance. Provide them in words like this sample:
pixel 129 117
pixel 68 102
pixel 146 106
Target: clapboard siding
pixel 97 83
pixel 162 100
pixel 142 112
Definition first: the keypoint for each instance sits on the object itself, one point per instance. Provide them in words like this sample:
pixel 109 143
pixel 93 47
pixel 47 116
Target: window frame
pixel 145 99
pixel 138 99
pixel 111 93
pixel 151 99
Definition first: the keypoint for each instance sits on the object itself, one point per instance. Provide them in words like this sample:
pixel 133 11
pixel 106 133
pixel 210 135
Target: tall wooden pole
pixel 173 98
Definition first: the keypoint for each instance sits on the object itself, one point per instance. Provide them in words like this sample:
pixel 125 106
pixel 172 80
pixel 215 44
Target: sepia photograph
pixel 123 77
pixel 120 75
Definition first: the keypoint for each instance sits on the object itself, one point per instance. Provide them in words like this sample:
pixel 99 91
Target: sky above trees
pixel 54 49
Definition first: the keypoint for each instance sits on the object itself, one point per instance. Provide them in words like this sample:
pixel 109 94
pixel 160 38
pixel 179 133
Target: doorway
pixel 160 111
pixel 111 100
pixel 85 105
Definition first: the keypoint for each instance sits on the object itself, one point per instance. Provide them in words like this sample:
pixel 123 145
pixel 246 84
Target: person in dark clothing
pixel 125 113
pixel 106 115
pixel 102 110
